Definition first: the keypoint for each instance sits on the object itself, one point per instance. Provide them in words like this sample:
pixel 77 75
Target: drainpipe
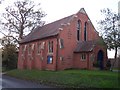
pixel 88 61
pixel 57 53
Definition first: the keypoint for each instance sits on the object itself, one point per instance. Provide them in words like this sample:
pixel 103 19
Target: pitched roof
pixel 48 30
pixel 85 46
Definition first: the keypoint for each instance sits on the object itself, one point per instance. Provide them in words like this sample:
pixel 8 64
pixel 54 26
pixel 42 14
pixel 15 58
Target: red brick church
pixel 71 42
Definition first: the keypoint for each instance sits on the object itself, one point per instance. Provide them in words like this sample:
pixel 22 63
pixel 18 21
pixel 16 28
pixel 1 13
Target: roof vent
pixel 62 24
pixel 68 23
pixel 61 29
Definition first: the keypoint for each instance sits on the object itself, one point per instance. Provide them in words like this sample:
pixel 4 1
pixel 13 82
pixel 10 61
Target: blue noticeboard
pixel 49 59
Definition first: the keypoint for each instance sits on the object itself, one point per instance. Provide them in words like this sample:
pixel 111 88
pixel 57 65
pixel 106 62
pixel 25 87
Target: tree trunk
pixel 21 35
pixel 115 58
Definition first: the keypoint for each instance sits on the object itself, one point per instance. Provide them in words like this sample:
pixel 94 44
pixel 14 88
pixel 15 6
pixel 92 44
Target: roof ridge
pixel 59 19
pixel 85 46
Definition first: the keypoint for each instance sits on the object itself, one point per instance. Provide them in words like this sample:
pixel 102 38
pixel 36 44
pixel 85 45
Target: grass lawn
pixel 70 78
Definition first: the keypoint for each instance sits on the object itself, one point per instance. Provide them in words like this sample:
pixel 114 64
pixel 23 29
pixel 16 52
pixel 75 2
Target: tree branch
pixel 29 10
pixel 11 23
pixel 13 15
pixel 3 33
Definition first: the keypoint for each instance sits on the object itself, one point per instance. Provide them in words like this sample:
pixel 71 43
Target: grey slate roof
pixel 48 30
pixel 85 46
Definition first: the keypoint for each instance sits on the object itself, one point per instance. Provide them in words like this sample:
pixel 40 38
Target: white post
pixel 119 23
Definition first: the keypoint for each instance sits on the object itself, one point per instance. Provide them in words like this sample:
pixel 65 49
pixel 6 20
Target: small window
pixel 49 59
pixel 83 56
pixel 61 43
pixel 50 47
pixel 61 58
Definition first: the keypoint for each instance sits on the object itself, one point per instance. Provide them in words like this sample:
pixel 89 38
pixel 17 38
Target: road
pixel 11 82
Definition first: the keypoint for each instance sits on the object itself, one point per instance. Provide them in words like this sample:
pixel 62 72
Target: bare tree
pixel 110 30
pixel 23 17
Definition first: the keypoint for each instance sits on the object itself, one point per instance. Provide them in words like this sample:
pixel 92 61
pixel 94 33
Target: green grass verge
pixel 4 69
pixel 70 78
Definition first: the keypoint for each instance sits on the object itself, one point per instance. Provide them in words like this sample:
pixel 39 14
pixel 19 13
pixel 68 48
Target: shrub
pixel 108 64
pixel 9 59
pixel 96 64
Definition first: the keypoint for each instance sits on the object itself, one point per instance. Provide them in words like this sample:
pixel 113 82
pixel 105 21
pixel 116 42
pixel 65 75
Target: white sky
pixel 57 9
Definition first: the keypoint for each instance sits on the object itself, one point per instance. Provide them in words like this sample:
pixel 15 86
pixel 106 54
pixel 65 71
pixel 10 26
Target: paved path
pixel 11 82
pixel 116 70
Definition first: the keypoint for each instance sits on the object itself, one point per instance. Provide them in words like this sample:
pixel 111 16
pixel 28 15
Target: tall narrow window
pixel 50 47
pixel 78 30
pixel 22 58
pixel 38 47
pixel 61 43
pixel 42 45
pixel 30 49
pixel 22 49
pixel 33 46
pixel 85 31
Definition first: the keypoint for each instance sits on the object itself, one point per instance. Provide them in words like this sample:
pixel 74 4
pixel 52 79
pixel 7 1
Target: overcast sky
pixel 57 9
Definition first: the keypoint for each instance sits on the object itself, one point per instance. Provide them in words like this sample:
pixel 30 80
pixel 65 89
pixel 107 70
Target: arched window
pixel 78 30
pixel 85 31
